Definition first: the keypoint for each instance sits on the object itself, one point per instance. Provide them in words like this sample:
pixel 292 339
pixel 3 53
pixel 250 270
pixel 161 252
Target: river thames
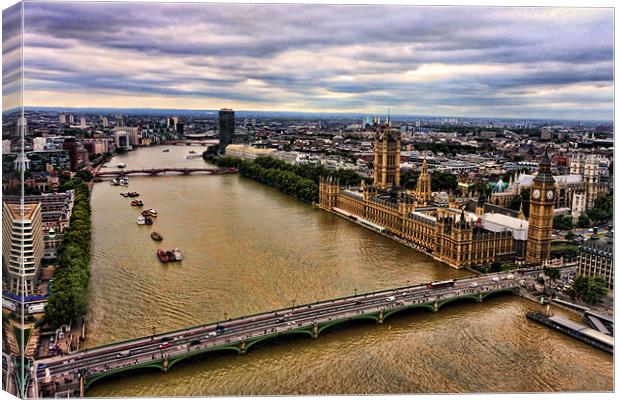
pixel 249 248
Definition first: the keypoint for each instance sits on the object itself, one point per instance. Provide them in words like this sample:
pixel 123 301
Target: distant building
pixel 104 122
pixel 38 143
pixel 71 119
pixel 62 119
pixel 226 128
pixel 39 159
pixel 22 246
pixel 83 123
pixel 596 258
pixel 126 136
pixel 546 133
pixel 6 146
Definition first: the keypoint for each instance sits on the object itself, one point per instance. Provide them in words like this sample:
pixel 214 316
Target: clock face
pixel 549 194
pixel 536 194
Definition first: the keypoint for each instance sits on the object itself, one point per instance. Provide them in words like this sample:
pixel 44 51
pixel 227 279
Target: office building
pixel 22 246
pixel 596 258
pixel 226 128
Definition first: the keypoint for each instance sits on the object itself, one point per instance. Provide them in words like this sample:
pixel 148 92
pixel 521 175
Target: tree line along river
pixel 248 248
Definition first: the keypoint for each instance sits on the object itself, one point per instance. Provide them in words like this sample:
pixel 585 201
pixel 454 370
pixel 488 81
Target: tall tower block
pixel 542 200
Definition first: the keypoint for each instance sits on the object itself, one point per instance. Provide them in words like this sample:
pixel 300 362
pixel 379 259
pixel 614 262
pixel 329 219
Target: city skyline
pixel 548 63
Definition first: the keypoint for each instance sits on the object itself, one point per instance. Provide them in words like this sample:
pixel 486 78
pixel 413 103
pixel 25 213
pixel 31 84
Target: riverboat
pixel 137 203
pixel 169 255
pixel 165 150
pixel 156 236
pixel 150 212
pixel 140 220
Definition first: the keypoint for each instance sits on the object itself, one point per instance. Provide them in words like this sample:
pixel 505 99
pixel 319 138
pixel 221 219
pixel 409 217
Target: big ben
pixel 542 201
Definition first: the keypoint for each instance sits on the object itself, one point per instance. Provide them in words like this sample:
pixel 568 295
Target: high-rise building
pixel 387 156
pixel 6 146
pixel 83 123
pixel 542 201
pixel 22 246
pixel 104 122
pixel 226 128
pixel 62 118
pixel 71 119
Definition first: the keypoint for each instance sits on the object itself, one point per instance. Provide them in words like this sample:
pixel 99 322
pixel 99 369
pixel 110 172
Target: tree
pixel 570 236
pixel 409 178
pixel 443 181
pixel 591 289
pixel 496 266
pixel 562 222
pixel 583 221
pixel 552 273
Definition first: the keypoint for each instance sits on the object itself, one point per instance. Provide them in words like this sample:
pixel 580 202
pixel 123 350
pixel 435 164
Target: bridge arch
pixel 98 376
pixel 472 297
pixel 428 306
pixel 374 317
pixel 306 330
pixel 491 293
pixel 195 353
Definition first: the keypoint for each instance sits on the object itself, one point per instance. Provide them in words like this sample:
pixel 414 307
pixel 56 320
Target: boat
pixel 156 236
pixel 148 221
pixel 169 255
pixel 137 203
pixel 165 150
pixel 151 212
pixel 120 165
pixel 124 194
pixel 141 220
pixel 132 194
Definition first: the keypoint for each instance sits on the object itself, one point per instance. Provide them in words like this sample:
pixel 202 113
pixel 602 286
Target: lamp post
pixel 293 302
pixel 355 290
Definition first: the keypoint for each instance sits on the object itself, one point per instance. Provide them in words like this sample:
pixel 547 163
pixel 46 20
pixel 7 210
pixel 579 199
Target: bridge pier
pixel 479 297
pixel 242 347
pixel 165 363
pixel 435 306
pixel 380 320
pixel 81 386
pixel 315 330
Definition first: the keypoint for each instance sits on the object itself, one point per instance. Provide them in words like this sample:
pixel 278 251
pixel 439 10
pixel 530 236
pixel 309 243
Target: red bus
pixel 435 285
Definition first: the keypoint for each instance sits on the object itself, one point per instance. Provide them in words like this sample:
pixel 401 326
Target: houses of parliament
pixel 463 233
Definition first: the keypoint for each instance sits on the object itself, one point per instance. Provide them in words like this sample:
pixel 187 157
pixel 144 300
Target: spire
pixel 521 214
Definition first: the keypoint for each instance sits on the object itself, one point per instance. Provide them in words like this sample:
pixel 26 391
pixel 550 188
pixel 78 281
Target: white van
pixel 391 298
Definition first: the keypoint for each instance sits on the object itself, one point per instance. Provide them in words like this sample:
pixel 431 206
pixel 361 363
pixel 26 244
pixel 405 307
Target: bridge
pixel 163 171
pixel 72 374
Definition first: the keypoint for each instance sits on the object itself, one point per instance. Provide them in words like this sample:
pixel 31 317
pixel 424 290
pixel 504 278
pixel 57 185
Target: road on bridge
pixel 63 371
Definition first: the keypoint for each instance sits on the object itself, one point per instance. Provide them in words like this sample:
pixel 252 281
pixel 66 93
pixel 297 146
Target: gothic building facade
pixel 451 234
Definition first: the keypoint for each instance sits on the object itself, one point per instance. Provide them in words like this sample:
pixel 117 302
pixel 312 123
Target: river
pixel 248 248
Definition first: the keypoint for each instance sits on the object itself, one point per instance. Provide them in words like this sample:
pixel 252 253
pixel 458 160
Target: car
pixel 211 334
pixel 495 279
pixel 52 339
pixel 220 329
pixel 194 342
pixel 391 298
pixel 358 302
pixel 473 284
pixel 123 353
pixel 165 339
pixel 164 345
pixel 280 320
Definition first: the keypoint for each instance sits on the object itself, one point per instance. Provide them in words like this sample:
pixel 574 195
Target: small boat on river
pixel 156 236
pixel 169 255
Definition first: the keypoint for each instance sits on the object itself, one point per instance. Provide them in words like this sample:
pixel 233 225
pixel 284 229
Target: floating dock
pixel 575 330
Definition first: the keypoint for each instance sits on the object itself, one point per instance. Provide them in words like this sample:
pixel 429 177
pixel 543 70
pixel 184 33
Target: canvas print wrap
pixel 219 199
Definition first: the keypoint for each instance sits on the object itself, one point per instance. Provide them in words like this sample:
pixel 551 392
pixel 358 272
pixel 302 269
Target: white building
pixel 6 146
pixel 22 246
pixel 38 143
pixel 83 123
pixel 62 118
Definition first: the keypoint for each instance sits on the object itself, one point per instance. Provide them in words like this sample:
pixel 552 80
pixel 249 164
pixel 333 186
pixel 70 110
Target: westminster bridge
pixel 72 374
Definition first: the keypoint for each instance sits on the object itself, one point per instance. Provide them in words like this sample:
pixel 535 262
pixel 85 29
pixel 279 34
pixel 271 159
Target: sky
pixel 452 61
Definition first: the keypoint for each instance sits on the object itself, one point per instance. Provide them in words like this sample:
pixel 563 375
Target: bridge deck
pixel 242 333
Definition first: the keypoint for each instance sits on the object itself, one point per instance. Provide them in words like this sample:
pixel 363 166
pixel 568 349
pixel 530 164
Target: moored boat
pixel 165 150
pixel 169 255
pixel 151 212
pixel 140 220
pixel 137 203
pixel 177 254
pixel 148 221
pixel 156 236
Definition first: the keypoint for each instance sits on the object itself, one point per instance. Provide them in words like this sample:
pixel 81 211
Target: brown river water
pixel 248 248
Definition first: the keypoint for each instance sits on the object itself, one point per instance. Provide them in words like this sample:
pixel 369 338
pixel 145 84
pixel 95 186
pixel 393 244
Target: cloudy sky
pixel 496 62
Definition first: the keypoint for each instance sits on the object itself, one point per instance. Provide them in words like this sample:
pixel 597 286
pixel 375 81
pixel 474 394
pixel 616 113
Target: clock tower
pixel 542 201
